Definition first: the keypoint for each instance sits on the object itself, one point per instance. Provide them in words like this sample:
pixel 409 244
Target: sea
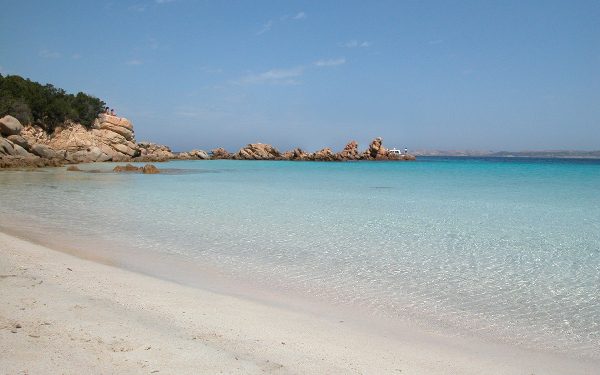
pixel 507 249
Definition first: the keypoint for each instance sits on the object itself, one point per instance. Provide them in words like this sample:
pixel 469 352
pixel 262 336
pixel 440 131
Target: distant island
pixel 559 154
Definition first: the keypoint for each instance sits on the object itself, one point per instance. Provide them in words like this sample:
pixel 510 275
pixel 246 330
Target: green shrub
pixel 45 105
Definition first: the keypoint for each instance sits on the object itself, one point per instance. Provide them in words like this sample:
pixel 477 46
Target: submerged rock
pixel 150 169
pixel 126 168
pixel 146 169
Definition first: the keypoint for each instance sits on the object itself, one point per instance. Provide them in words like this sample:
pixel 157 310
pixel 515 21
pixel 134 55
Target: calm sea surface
pixel 505 248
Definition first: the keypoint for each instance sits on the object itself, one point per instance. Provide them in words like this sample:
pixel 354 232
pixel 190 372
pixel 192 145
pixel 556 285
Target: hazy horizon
pixel 424 75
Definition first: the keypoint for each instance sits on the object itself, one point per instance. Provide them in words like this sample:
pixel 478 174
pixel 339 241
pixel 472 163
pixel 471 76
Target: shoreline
pixel 113 320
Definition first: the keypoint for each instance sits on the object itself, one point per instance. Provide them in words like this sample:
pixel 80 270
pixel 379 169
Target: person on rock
pixel 112 112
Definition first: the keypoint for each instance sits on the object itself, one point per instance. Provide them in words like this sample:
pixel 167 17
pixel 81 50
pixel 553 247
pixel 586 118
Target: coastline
pixel 83 314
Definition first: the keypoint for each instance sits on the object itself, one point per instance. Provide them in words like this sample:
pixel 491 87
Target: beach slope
pixel 63 314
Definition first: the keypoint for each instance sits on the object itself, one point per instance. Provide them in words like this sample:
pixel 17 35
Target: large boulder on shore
pixel 119 125
pixel 30 161
pixel 89 155
pixel 80 144
pixel 6 147
pixel 10 126
pixel 9 148
pixel 257 151
pixel 44 151
pixel 18 140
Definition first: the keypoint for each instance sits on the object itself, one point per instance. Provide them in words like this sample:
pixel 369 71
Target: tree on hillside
pixel 46 105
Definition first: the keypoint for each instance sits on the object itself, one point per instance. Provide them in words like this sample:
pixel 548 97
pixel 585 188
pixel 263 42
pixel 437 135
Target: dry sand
pixel 62 314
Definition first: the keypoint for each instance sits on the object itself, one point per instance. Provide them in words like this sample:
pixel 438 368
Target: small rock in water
pixel 146 169
pixel 150 169
pixel 126 168
pixel 73 168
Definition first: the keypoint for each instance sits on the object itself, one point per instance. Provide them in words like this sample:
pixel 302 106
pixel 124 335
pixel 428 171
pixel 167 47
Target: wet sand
pixel 63 314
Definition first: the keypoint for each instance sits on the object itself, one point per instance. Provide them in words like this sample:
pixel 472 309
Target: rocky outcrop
pixel 89 155
pixel 10 126
pixel 79 144
pixel 115 124
pixel 18 140
pixel 257 151
pixel 45 152
pixel 408 157
pixel 193 155
pixel 220 153
pixel 154 152
pixel 112 138
pixel 295 154
pixel 350 152
pixel 8 148
pixel 376 151
pixel 323 155
pixel 27 162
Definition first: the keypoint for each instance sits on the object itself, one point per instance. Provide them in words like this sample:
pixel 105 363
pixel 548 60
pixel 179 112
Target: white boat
pixel 395 151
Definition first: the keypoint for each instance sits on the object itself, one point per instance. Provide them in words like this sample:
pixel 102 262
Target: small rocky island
pixel 112 138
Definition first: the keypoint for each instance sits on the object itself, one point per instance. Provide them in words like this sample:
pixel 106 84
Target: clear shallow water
pixel 506 248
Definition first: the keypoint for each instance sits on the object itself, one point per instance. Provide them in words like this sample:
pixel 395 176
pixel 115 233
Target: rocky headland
pixel 112 138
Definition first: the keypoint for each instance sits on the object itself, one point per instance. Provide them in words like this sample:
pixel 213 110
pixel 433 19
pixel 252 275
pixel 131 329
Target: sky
pixel 449 75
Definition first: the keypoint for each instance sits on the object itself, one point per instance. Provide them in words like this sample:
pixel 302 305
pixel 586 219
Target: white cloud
pixel 357 44
pixel 2 70
pixel 285 18
pixel 134 62
pixel 275 76
pixel 137 7
pixel 330 62
pixel 76 56
pixel 211 70
pixel 266 27
pixel 49 54
pixel 299 16
pixel 153 43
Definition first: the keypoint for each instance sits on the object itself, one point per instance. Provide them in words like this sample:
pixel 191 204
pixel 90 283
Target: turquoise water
pixel 504 248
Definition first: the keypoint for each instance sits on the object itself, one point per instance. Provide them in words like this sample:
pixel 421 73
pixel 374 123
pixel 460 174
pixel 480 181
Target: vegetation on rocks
pixel 45 105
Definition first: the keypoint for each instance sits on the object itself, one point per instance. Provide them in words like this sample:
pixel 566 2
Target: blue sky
pixel 500 75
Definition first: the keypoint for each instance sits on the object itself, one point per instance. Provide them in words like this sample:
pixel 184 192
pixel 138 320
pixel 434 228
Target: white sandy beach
pixel 62 314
